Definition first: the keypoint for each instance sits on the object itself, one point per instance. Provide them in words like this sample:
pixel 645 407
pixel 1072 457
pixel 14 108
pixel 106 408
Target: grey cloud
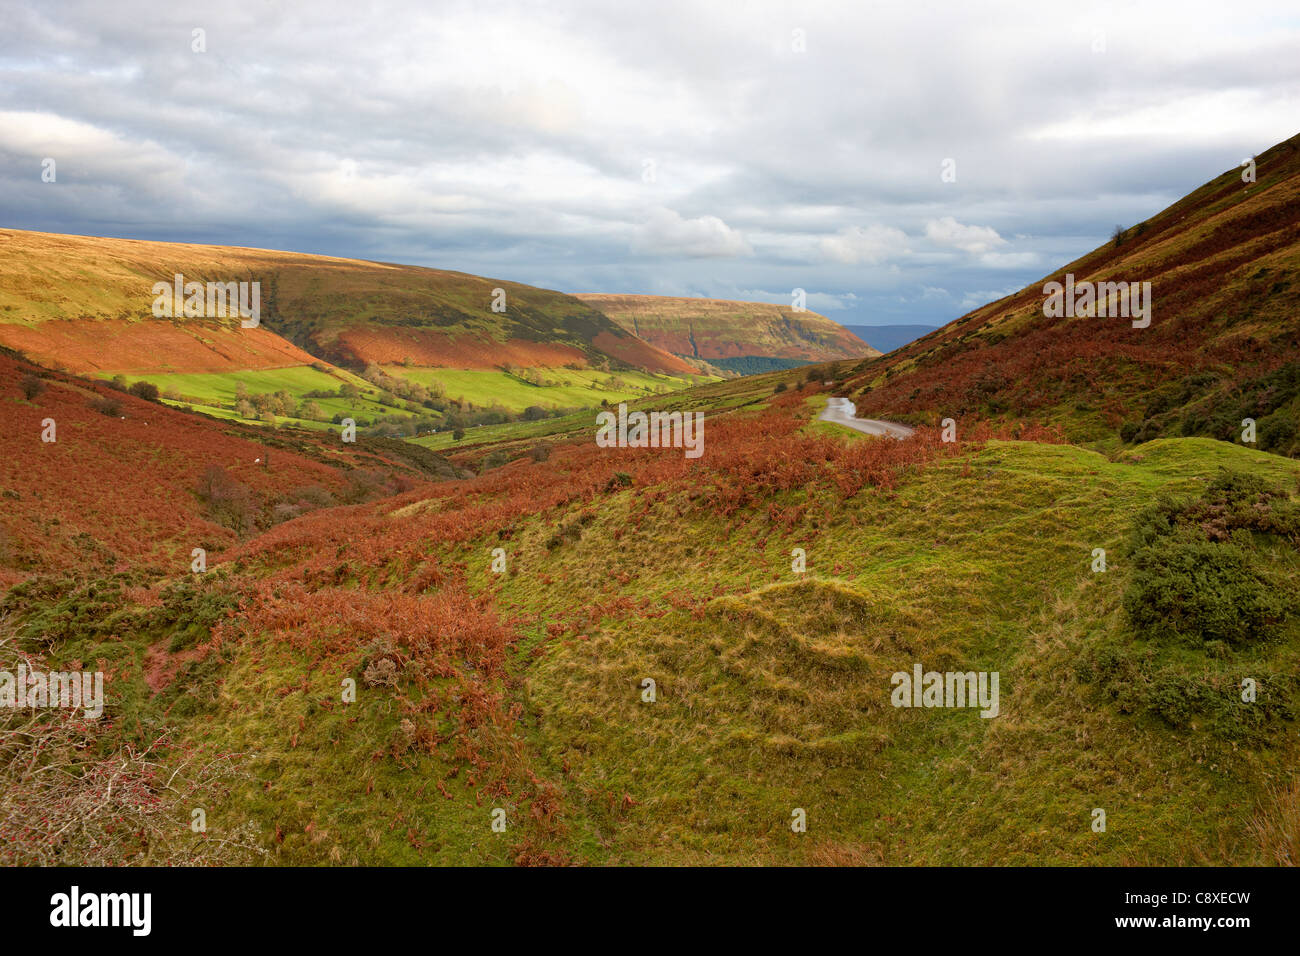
pixel 509 139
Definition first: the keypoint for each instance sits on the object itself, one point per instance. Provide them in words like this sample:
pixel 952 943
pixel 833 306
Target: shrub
pixel 620 479
pixel 1196 564
pixel 541 452
pixel 1188 587
pixel 31 386
pixel 146 390
pixel 381 673
pixel 495 460
pixel 107 405
pixel 229 503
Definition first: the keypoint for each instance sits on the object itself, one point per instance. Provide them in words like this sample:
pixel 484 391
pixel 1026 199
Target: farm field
pixel 561 388
pixel 218 392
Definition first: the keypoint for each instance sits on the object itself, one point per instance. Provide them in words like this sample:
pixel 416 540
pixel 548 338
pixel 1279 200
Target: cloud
pixel 973 239
pixel 667 233
pixel 856 245
pixel 1009 260
pixel 510 138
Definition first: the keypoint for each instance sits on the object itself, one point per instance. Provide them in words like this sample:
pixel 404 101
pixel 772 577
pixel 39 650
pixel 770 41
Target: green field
pixel 215 393
pixel 562 388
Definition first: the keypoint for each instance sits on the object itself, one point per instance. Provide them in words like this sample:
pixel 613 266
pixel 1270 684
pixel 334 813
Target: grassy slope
pixel 120 490
pixel 773 687
pixel 1221 346
pixel 775 695
pixel 84 304
pixel 719 329
pixel 346 310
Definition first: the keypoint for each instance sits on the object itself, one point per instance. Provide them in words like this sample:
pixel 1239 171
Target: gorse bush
pixel 1198 574
pixel 1187 587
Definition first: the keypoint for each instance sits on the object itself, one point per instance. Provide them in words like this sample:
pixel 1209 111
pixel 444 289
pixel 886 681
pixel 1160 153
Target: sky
pixel 899 162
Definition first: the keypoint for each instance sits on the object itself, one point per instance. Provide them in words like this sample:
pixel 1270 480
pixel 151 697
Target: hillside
pixel 523 692
pixel 127 483
pixel 730 335
pixel 1221 346
pixel 400 348
pixel 61 294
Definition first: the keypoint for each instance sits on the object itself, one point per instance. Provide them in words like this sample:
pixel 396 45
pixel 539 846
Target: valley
pixel 502 627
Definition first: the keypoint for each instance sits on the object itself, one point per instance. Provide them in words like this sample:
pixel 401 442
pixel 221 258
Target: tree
pixel 146 390
pixel 458 434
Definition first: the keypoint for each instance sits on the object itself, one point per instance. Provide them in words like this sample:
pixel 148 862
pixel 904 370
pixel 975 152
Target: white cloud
pixel 667 233
pixel 973 239
pixel 856 245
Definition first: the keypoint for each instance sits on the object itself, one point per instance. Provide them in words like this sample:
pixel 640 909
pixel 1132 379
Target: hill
pixel 403 348
pixel 731 335
pixel 1220 346
pixel 126 483
pixel 348 311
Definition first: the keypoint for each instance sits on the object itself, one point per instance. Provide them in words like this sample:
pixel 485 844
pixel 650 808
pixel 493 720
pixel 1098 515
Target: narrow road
pixel 840 411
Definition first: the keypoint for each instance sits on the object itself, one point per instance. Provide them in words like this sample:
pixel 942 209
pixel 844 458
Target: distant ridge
pixel 85 303
pixel 711 329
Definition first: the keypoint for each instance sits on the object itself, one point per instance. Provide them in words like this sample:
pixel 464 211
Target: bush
pixel 1196 563
pixel 107 405
pixel 495 460
pixel 1186 587
pixel 230 503
pixel 146 390
pixel 541 452
pixel 31 386
pixel 620 479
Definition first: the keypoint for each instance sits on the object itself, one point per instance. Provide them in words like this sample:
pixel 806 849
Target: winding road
pixel 840 411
